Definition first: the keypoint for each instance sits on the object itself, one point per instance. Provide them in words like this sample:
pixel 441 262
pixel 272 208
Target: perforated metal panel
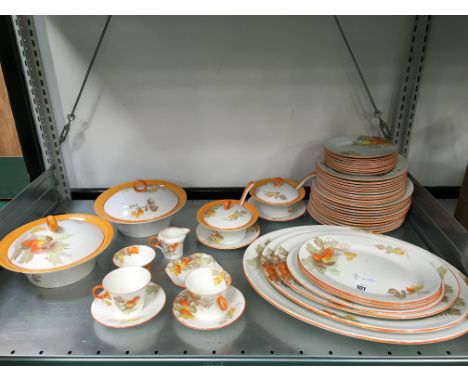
pixel 411 84
pixel 40 100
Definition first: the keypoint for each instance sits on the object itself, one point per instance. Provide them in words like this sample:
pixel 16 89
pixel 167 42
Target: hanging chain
pixel 377 113
pixel 71 116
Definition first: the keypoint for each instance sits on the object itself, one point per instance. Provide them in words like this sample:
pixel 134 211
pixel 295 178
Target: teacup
pixel 170 241
pixel 125 288
pixel 207 287
pixel 134 255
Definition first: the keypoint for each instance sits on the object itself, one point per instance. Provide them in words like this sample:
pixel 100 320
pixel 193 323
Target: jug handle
pixel 154 241
pixel 246 191
pixel 311 175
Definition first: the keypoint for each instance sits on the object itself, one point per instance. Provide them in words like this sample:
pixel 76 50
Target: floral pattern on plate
pixel 324 254
pixel 403 293
pixel 127 251
pixel 391 250
pixel 52 245
pixel 365 140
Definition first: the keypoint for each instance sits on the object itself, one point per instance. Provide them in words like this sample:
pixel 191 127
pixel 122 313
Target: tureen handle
pixel 140 185
pixel 52 223
pixel 311 175
pixel 277 182
pixel 246 191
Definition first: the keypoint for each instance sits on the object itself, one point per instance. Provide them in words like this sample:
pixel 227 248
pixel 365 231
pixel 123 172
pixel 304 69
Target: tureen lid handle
pixel 246 191
pixel 140 185
pixel 52 223
pixel 311 175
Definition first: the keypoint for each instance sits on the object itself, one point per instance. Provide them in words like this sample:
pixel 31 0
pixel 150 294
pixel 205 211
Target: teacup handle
pixel 102 296
pixel 222 303
pixel 311 175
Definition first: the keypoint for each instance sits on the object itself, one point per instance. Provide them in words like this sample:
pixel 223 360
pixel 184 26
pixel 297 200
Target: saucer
pixel 178 269
pixel 184 311
pixel 296 211
pixel 134 255
pixel 107 315
pixel 204 237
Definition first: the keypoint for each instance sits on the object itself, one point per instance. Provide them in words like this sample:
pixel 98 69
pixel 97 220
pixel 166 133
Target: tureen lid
pixel 276 190
pixel 227 215
pixel 140 201
pixel 55 243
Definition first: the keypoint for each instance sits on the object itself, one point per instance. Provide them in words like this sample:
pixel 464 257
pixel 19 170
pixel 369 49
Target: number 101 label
pixel 362 282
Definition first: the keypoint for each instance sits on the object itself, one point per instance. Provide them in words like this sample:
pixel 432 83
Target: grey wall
pixel 217 101
pixel 439 149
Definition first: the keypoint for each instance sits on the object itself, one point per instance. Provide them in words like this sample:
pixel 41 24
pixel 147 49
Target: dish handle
pixel 311 175
pixel 140 185
pixel 52 223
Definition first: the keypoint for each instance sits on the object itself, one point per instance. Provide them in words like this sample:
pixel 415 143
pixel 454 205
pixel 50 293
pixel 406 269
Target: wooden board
pixel 9 142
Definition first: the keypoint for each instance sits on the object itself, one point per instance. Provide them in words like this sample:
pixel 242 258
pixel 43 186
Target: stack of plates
pixel 372 202
pixel 359 284
pixel 360 155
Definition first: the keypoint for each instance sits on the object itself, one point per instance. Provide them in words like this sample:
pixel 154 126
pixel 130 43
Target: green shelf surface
pixel 13 177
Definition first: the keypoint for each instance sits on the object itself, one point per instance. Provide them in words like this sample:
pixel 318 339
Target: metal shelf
pixel 40 325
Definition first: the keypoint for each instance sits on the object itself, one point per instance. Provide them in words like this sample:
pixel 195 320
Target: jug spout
pixel 173 233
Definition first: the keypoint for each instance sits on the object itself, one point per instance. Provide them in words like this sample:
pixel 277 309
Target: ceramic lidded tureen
pixel 277 191
pixel 275 196
pixel 231 217
pixel 56 250
pixel 142 207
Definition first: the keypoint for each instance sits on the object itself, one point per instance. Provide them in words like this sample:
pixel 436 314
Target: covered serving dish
pixel 141 208
pixel 274 196
pixel 232 217
pixel 56 250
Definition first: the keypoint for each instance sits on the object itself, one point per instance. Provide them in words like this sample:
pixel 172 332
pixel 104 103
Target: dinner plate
pixel 387 227
pixel 401 168
pixel 360 146
pixel 428 324
pixel 258 282
pixel 294 278
pixel 369 271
